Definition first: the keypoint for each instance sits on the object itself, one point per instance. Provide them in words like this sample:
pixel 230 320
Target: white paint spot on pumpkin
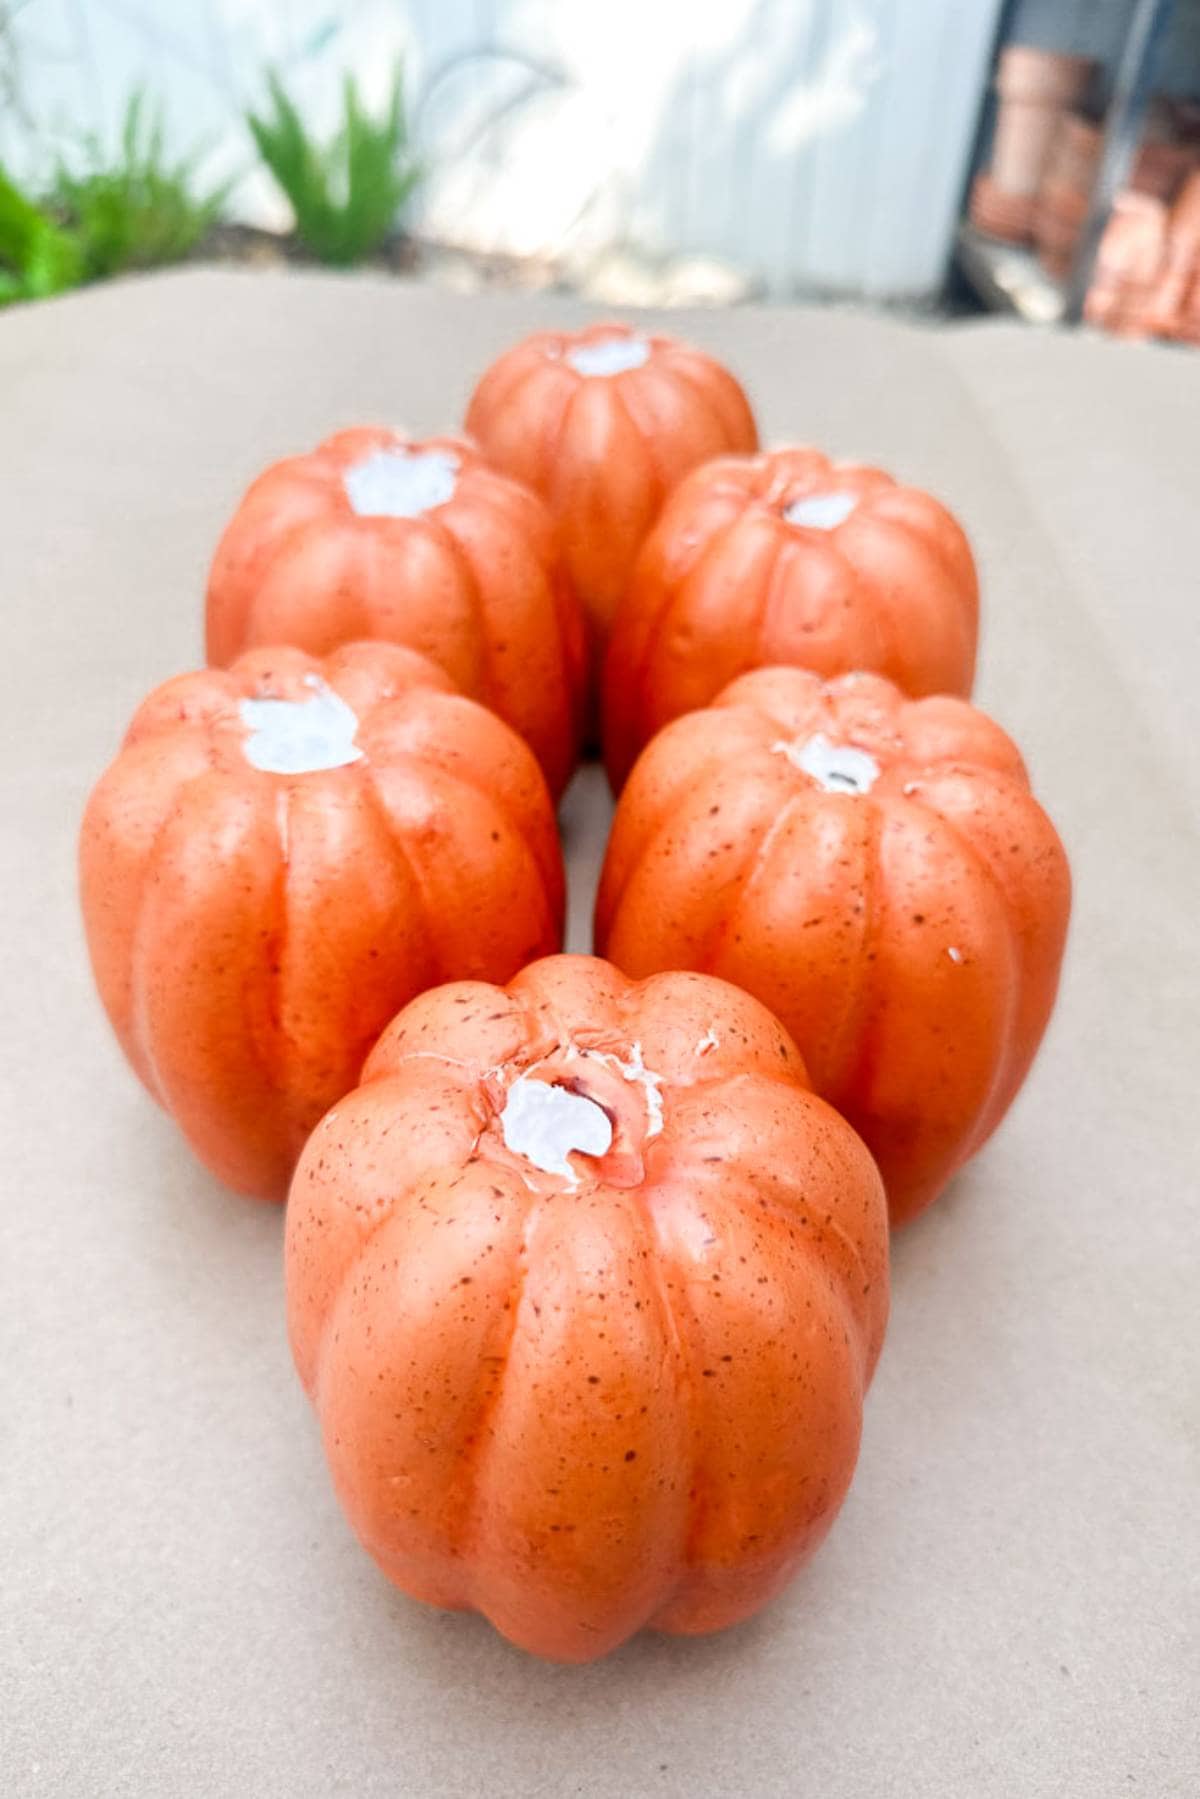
pixel 821 511
pixel 635 1070
pixel 609 356
pixel 299 737
pixel 955 955
pixel 707 1042
pixel 837 767
pixel 401 483
pixel 547 1124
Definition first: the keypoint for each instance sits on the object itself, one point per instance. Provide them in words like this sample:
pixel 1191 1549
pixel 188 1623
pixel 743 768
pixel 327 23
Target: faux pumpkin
pixel 874 869
pixel 375 536
pixel 587 1287
pixel 602 423
pixel 787 557
pixel 281 855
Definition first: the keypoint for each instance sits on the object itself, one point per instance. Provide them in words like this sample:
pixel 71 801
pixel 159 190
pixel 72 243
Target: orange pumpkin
pixel 602 423
pixel 876 871
pixel 787 558
pixel 375 536
pixel 281 855
pixel 587 1287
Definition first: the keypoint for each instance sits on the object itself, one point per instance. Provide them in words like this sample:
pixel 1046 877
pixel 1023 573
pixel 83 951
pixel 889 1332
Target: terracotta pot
pixel 997 214
pixel 1035 86
pixel 1121 311
pixel 1158 169
pixel 1053 233
pixel 1024 133
pixel 1168 299
pixel 1184 223
pixel 1047 77
pixel 1132 250
pixel 1075 155
pixel 1186 325
pixel 1060 202
pixel 1176 290
pixel 1057 263
pixel 1058 221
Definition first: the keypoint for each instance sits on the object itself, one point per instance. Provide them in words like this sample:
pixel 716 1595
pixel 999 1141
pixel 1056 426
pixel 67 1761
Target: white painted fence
pixel 812 143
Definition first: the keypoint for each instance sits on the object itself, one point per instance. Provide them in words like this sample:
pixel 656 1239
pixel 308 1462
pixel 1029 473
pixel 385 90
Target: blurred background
pixel 1039 156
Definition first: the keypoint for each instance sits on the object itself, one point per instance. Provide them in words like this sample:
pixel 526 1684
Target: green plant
pixel 346 195
pixel 136 210
pixel 36 257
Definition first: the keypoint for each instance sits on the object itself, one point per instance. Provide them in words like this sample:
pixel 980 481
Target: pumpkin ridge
pixel 637 677
pixel 890 626
pixel 550 457
pixel 299 1120
pixel 776 473
pixel 781 1204
pixel 139 950
pixel 986 1118
pixel 160 724
pixel 508 496
pixel 757 855
pixel 475 1474
pixel 920 524
pixel 398 839
pixel 828 1229
pixel 222 782
pixel 865 1012
pixel 385 1213
pixel 781 589
pixel 857 1004
pixel 693 1571
pixel 648 440
pixel 1001 1048
pixel 292 543
pixel 552 888
pixel 459 1090
pixel 683 1359
pixel 735 478
pixel 470 779
pixel 278 940
pixel 274 989
pixel 465 568
pixel 694 777
pixel 680 364
pixel 661 1257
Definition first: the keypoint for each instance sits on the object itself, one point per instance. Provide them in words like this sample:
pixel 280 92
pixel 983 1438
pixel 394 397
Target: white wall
pixel 813 143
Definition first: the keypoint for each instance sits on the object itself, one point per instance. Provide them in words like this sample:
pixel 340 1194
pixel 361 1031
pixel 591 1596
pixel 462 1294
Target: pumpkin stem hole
pixel 821 511
pixel 298 737
pixel 401 483
pixel 609 356
pixel 837 767
pixel 547 1123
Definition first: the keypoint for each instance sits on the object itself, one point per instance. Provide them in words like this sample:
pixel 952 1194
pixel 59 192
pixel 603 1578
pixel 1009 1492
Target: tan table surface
pixel 1008 1604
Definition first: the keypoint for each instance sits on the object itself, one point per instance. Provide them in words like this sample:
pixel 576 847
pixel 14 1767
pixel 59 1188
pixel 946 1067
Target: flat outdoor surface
pixel 1009 1603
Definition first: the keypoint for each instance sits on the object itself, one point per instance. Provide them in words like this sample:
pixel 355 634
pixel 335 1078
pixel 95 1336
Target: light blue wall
pixel 815 144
